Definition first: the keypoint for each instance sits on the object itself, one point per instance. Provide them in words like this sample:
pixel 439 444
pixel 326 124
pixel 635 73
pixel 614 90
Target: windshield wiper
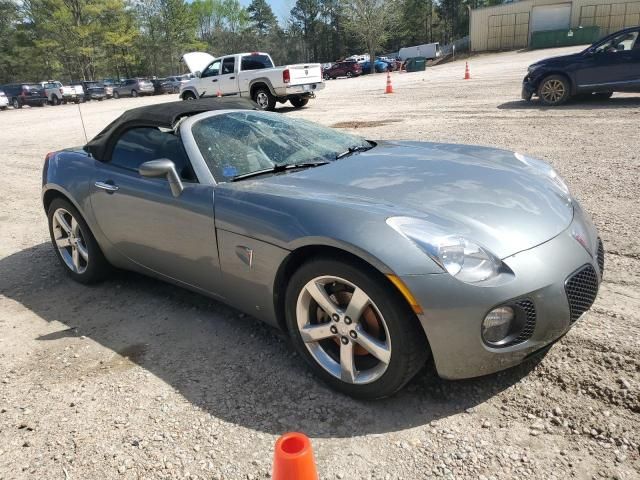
pixel 278 169
pixel 357 148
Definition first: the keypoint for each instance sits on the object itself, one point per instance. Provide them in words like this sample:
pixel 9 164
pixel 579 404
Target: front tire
pixel 116 95
pixel 262 96
pixel 134 93
pixel 298 102
pixel 188 96
pixel 349 74
pixel 15 103
pixel 554 90
pixel 353 328
pixel 74 244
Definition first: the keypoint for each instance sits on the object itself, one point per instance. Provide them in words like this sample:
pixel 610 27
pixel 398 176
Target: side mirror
pixel 163 168
pixel 198 73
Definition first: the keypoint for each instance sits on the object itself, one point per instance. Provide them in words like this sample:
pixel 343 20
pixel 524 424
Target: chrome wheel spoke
pixel 319 294
pixel 63 242
pixel 82 250
pixel 375 347
pixel 359 301
pixel 315 333
pixel 62 222
pixel 347 364
pixel 75 258
pixel 75 227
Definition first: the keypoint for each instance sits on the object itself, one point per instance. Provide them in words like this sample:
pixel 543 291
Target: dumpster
pixel 416 64
pixel 565 38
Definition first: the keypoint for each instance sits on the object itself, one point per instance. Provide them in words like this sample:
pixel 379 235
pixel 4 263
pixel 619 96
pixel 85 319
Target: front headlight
pixel 465 260
pixel 545 169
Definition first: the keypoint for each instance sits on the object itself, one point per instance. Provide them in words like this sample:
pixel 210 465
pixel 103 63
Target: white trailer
pixel 430 51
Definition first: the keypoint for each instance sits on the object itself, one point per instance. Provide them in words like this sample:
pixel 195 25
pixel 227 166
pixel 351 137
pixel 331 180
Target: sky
pixel 280 7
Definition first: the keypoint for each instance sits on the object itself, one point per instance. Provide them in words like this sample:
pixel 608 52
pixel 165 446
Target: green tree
pixel 262 17
pixel 304 16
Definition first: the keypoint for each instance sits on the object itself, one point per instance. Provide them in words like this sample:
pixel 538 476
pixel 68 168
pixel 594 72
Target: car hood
pixel 559 59
pixel 197 61
pixel 486 195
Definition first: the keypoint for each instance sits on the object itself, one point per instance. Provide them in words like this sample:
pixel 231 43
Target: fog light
pixel 497 324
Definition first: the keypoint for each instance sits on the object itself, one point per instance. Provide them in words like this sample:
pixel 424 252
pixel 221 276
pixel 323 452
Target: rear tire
pixel 55 100
pixel 134 93
pixel 262 96
pixel 395 330
pixel 95 268
pixel 554 90
pixel 298 102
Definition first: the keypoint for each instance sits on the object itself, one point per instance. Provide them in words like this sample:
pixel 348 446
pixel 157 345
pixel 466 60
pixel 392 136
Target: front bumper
pixel 453 310
pixel 528 88
pixel 4 102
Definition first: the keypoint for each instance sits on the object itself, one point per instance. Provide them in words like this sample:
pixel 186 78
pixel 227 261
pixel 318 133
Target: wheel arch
pixel 189 90
pixel 261 82
pixel 302 254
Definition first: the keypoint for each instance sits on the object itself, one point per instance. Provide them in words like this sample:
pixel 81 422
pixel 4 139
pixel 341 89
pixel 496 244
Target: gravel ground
pixel 138 379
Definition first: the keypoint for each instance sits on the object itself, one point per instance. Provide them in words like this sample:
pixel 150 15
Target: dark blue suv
pixel 609 65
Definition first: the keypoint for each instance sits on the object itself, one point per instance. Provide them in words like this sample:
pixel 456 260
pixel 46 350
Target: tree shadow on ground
pixel 232 366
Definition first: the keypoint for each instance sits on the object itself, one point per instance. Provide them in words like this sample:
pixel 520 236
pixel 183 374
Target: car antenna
pixel 86 139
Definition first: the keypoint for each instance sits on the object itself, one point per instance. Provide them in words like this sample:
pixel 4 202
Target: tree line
pixel 91 39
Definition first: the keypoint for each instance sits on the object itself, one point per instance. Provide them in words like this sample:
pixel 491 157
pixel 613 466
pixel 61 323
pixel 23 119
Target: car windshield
pixel 239 143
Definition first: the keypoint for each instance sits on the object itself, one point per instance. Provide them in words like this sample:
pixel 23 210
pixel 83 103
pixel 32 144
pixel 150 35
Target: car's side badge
pixel 245 254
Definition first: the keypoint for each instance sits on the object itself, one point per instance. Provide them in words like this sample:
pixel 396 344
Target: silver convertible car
pixel 373 256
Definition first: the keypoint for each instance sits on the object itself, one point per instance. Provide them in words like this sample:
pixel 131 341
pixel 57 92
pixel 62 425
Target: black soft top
pixel 164 115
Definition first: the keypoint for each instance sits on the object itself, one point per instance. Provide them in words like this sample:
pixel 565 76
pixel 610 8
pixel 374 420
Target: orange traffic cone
pixel 293 458
pixel 219 94
pixel 467 74
pixel 389 86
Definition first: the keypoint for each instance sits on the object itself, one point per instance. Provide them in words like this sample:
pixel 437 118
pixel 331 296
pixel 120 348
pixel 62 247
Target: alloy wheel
pixel 553 91
pixel 343 330
pixel 70 241
pixel 262 100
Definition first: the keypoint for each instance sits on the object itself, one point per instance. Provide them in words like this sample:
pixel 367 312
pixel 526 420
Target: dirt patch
pixel 365 123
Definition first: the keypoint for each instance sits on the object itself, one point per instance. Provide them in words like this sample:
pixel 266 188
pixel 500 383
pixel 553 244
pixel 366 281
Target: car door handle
pixel 109 187
pixel 214 80
pixel 232 78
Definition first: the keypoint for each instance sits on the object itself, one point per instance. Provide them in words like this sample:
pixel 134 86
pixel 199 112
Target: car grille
pixel 600 257
pixel 581 289
pixel 529 309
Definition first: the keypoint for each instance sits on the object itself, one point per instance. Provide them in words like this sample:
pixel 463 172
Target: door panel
pixel 208 83
pixel 611 68
pixel 173 236
pixel 228 78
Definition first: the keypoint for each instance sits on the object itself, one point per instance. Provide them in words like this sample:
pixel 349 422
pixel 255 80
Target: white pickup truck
pixel 58 93
pixel 251 75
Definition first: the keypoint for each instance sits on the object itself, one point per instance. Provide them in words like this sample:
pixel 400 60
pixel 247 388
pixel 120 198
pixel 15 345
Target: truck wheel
pixel 55 100
pixel 262 96
pixel 298 102
pixel 188 96
pixel 554 90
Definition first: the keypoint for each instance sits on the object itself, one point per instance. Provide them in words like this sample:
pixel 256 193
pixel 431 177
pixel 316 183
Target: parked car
pixel 21 94
pixel 298 225
pixel 251 75
pixel 380 67
pixel 92 90
pixel 4 101
pixel 348 69
pixel 609 65
pixel 133 87
pixel 162 86
pixel 57 93
pixel 175 82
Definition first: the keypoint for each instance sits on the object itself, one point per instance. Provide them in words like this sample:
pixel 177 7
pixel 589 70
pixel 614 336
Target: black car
pixel 609 65
pixel 20 94
pixel 93 90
